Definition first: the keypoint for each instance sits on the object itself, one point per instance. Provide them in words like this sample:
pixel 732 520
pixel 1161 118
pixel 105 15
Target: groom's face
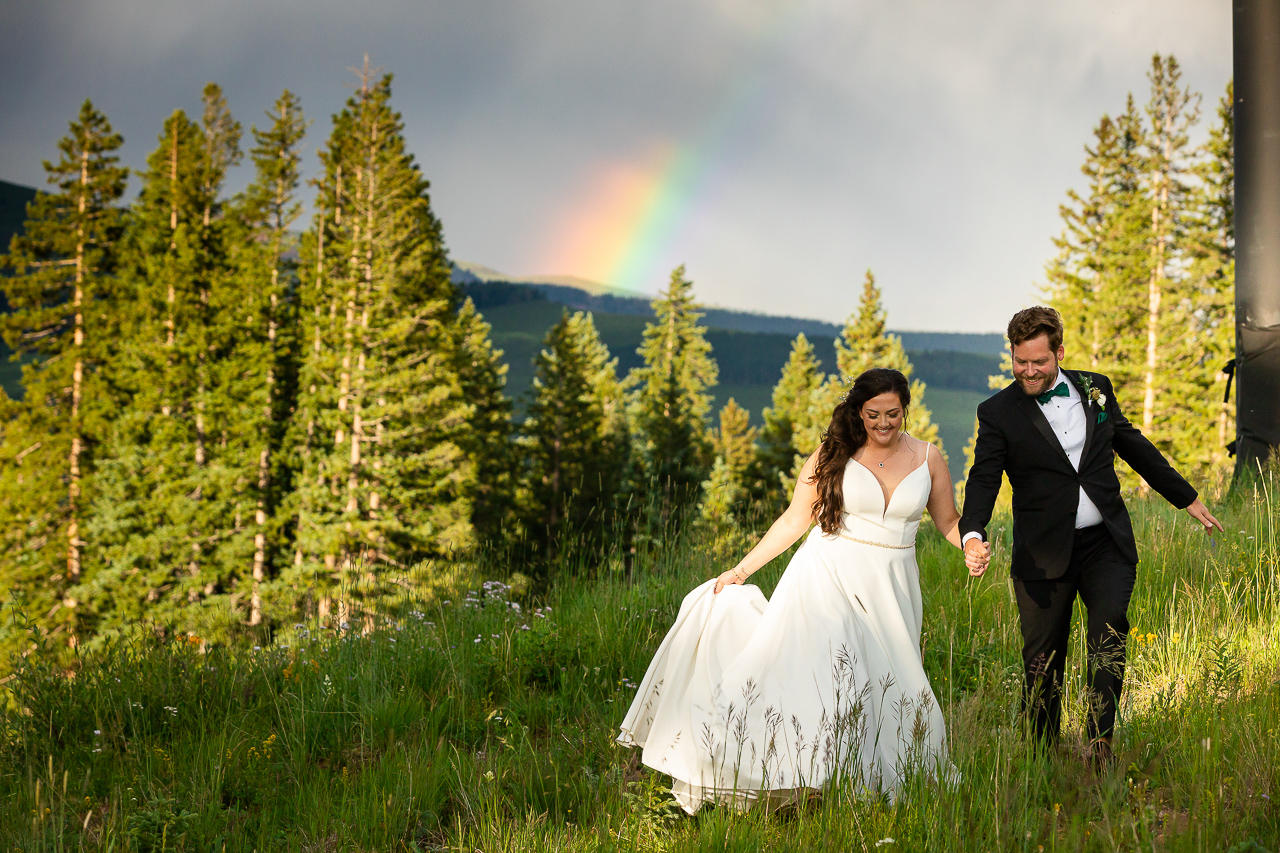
pixel 1035 365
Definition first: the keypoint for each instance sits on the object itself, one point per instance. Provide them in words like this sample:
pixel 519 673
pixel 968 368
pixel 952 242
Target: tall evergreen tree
pixel 576 440
pixel 483 376
pixel 1197 351
pixel 1171 112
pixel 670 397
pixel 1144 277
pixel 1099 279
pixel 61 292
pixel 726 494
pixel 996 382
pixel 1212 278
pixel 155 513
pixel 864 344
pixel 788 426
pixel 255 377
pixel 383 476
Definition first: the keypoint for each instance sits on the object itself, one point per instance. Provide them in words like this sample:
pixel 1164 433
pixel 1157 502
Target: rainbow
pixel 634 219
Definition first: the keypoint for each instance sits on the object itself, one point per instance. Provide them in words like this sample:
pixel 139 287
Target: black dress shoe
pixel 1101 756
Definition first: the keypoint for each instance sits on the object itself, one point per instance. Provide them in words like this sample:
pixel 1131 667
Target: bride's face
pixel 882 418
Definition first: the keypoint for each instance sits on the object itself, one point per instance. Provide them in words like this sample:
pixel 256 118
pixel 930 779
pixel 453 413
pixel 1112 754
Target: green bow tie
pixel 1059 390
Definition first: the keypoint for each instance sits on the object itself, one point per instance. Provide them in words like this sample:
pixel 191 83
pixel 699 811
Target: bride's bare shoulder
pixel 918 446
pixel 921 448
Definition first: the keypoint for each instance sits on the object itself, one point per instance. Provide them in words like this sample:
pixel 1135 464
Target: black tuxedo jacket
pixel 1014 437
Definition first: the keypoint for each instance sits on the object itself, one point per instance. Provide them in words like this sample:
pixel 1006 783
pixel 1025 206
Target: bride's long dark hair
pixel 845 435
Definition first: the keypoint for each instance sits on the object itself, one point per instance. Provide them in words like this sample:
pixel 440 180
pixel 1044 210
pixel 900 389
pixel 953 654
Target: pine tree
pixel 255 377
pixel 60 293
pixel 215 326
pixel 1144 277
pixel 575 439
pixel 864 344
pixel 1171 111
pixel 1212 279
pixel 799 393
pixel 483 376
pixel 725 493
pixel 1004 500
pixel 381 426
pixel 150 514
pixel 1099 279
pixel 670 398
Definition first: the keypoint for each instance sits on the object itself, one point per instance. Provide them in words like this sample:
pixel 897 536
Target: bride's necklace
pixel 897 445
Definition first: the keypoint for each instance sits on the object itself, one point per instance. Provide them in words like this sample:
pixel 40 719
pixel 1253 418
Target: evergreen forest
pixel 233 420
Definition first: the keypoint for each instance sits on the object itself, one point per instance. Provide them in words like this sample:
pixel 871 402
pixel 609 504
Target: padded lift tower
pixel 1256 38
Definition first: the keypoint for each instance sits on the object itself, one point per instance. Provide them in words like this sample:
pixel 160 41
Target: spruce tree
pixel 864 344
pixel 575 442
pixel 670 400
pixel 1100 279
pixel 61 293
pixel 1211 280
pixel 162 510
pixel 726 493
pixel 255 380
pixel 1171 112
pixel 483 376
pixel 1144 277
pixel 788 423
pixel 381 428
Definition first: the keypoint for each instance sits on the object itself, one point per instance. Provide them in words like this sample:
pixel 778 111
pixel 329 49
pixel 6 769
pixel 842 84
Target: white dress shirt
pixel 1066 416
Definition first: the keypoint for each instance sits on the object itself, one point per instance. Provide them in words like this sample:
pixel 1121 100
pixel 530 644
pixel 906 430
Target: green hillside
pixel 13 212
pixel 488 291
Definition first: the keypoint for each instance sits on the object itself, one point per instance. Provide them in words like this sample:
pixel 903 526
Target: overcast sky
pixel 778 149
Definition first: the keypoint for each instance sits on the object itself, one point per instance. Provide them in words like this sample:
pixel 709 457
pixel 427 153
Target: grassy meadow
pixel 481 718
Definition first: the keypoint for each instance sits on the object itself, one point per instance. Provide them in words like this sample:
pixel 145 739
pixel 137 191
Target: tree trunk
pixel 259 540
pixel 1153 305
pixel 171 296
pixel 77 383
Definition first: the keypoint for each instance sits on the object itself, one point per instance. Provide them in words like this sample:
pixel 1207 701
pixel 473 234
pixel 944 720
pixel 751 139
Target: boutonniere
pixel 1094 396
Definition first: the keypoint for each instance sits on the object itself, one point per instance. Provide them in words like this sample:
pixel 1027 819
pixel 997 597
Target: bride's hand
pixel 726 579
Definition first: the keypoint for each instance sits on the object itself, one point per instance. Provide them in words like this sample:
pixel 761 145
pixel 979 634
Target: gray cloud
pixel 930 141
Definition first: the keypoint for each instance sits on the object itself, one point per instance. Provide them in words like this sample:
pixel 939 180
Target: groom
pixel 1055 432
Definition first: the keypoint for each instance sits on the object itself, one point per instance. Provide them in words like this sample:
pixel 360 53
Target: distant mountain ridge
pixel 586 295
pixel 488 287
pixel 13 210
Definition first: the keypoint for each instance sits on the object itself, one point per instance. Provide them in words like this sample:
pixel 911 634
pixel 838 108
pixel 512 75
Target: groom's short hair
pixel 1032 323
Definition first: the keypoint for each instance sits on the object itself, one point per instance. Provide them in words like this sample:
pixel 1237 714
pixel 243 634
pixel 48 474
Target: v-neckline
pixel 888 498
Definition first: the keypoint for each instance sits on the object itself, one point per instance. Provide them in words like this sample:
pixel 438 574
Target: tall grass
pixel 481 719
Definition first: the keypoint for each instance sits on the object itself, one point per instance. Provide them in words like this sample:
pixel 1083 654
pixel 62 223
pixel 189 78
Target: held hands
pixel 1200 513
pixel 977 556
pixel 729 578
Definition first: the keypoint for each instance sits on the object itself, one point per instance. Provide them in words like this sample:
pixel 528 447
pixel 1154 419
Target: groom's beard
pixel 1040 384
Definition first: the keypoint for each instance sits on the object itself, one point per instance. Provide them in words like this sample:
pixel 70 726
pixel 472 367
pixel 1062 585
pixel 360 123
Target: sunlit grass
pixel 485 720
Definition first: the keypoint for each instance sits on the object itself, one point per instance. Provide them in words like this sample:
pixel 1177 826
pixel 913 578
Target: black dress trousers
pixel 1103 578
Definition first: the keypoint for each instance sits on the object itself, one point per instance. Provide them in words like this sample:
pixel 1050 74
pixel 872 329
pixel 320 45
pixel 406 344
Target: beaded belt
pixel 876 544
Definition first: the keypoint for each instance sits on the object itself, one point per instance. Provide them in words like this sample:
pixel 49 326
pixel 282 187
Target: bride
pixel 748 698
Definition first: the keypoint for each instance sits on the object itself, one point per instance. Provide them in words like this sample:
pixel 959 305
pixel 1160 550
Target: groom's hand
pixel 1201 513
pixel 977 555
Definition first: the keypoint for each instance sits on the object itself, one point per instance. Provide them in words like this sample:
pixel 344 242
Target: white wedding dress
pixel 750 699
